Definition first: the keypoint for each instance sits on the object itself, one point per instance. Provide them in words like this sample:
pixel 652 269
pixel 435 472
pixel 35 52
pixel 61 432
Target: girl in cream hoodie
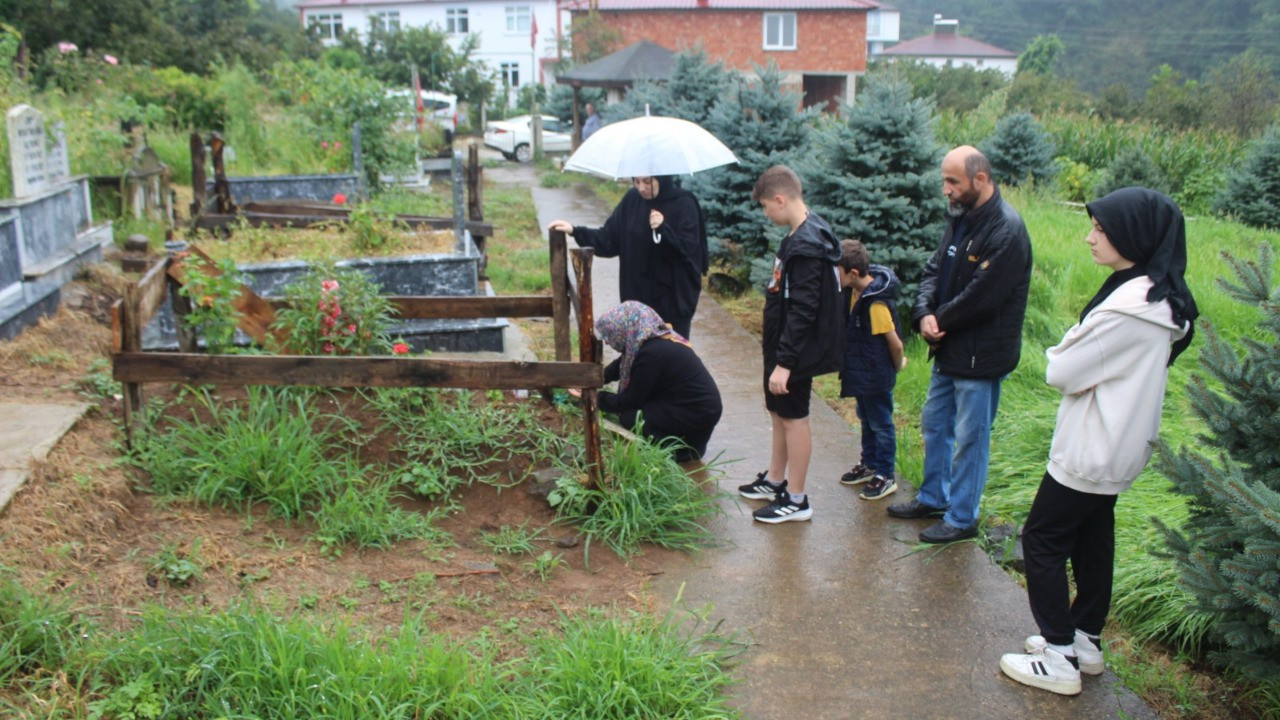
pixel 1111 368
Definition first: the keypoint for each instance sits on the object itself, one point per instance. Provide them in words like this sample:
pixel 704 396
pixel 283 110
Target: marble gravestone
pixel 36 163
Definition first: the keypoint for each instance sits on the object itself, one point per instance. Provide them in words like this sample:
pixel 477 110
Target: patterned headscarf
pixel 626 327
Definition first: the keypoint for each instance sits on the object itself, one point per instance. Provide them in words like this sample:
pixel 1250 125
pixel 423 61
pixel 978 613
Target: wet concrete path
pixel 845 618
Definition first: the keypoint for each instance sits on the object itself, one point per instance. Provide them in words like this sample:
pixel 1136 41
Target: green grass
pixel 646 498
pixel 248 662
pixel 519 259
pixel 510 540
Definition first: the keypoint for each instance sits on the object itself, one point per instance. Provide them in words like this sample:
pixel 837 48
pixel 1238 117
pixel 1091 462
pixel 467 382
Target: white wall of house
pixel 1005 65
pixel 883 28
pixel 503 26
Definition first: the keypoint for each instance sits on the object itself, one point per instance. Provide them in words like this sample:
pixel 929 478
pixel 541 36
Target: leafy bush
pixel 1131 168
pixel 1252 191
pixel 875 177
pixel 213 294
pixel 1226 551
pixel 334 311
pixel 1075 180
pixel 1020 150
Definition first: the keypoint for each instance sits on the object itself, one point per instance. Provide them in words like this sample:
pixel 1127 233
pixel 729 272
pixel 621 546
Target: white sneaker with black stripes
pixel 1089 654
pixel 784 509
pixel 1048 670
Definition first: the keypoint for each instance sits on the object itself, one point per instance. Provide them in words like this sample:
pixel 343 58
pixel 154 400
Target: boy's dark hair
pixel 853 256
pixel 777 180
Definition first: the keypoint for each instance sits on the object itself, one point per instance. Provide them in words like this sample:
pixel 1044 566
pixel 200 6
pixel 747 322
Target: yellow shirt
pixel 881 318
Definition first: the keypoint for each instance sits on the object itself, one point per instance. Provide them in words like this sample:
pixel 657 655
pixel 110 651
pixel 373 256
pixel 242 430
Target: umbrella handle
pixel 657 237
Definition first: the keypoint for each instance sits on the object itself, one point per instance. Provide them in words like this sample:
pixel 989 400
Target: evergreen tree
pixel 1132 167
pixel 759 120
pixel 696 85
pixel 875 177
pixel 643 93
pixel 1020 150
pixel 1228 553
pixel 1252 192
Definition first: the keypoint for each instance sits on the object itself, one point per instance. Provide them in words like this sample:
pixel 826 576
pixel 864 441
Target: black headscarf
pixel 1146 227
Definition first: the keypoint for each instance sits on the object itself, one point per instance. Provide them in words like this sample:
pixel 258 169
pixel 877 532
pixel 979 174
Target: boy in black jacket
pixel 803 327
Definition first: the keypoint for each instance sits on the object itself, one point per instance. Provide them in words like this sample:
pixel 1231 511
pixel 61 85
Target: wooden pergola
pixel 620 70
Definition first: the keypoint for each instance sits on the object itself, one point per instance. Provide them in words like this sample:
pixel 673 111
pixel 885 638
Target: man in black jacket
pixel 970 308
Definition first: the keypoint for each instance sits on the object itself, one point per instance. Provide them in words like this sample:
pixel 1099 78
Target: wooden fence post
pixel 131 341
pixel 587 353
pixel 560 294
pixel 197 176
pixel 475 204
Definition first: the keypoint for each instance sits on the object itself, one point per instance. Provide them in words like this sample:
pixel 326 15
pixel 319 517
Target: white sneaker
pixel 1087 653
pixel 1048 670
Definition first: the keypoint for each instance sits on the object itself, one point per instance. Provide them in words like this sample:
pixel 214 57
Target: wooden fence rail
pixel 142 300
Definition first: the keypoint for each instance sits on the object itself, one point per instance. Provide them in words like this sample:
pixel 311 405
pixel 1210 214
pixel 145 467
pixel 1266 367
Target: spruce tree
pixel 1228 552
pixel 642 94
pixel 1132 167
pixel 696 85
pixel 1019 150
pixel 1252 192
pixel 761 122
pixel 875 177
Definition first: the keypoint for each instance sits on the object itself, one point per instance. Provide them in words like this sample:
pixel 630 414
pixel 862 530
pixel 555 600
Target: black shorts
pixel 792 406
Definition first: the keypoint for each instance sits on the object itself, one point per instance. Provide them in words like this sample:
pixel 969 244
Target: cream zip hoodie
pixel 1112 370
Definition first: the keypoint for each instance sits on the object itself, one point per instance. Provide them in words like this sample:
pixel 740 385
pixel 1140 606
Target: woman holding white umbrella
pixel 657 232
pixel 658 236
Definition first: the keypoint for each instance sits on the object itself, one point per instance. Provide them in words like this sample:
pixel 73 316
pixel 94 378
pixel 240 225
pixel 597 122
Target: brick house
pixel 820 45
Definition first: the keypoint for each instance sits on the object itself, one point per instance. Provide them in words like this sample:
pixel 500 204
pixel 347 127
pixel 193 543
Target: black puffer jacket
pixel 987 296
pixel 803 307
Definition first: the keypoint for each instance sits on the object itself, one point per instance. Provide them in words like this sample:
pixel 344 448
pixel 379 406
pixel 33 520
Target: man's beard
pixel 961 206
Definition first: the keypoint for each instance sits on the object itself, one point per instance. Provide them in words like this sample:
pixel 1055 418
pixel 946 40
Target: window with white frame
pixel 873 24
pixel 518 18
pixel 329 25
pixel 510 74
pixel 779 31
pixel 455 21
pixel 386 21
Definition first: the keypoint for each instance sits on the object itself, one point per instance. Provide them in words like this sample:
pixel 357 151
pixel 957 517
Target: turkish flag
pixel 533 32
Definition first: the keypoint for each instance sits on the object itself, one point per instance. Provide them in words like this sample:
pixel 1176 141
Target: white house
pixel 517 37
pixel 883 27
pixel 946 47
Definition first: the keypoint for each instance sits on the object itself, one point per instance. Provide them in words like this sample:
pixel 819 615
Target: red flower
pixel 351 329
pixel 328 285
pixel 328 322
pixel 400 348
pixel 329 348
pixel 324 144
pixel 339 198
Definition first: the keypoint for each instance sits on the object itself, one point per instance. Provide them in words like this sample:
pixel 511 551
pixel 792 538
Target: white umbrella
pixel 649 146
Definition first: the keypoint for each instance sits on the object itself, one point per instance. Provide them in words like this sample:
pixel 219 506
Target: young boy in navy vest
pixel 872 359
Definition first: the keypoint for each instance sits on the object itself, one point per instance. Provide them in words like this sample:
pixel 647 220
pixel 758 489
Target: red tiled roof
pixel 305 4
pixel 946 45
pixel 616 5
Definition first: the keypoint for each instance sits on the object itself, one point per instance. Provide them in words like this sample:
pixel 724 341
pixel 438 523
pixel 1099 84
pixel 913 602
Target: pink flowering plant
pixel 335 311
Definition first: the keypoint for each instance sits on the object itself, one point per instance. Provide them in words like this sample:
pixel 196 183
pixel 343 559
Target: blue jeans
pixel 956 424
pixel 879 443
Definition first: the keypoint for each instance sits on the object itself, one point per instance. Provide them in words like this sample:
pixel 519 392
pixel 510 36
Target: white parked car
pixel 439 108
pixel 513 137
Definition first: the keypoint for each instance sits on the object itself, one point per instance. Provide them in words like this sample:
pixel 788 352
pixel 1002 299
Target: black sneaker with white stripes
pixel 858 475
pixel 762 489
pixel 784 509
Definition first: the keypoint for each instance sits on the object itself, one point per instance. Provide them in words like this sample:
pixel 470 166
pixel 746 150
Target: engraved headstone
pixel 28 157
pixel 58 167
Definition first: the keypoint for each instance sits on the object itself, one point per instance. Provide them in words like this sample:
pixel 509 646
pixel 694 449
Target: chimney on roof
pixel 704 3
pixel 944 27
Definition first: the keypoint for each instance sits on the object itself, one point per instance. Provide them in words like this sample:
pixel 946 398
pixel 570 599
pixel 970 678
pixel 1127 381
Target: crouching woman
pixel 660 379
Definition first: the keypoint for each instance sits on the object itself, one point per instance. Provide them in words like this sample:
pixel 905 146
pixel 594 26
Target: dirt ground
pixel 85 528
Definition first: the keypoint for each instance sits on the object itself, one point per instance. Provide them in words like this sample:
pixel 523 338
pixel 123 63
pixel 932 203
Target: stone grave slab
pixel 28 431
